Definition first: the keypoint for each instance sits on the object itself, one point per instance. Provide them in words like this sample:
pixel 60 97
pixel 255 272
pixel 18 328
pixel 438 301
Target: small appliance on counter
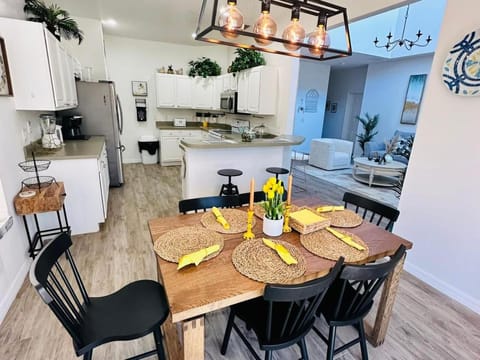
pixel 179 122
pixel 71 128
pixel 50 136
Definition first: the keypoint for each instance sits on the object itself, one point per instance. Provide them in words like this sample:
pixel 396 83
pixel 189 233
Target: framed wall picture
pixel 5 81
pixel 333 107
pixel 413 98
pixel 139 88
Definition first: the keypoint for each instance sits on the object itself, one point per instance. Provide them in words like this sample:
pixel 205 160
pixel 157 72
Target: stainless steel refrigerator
pixel 102 115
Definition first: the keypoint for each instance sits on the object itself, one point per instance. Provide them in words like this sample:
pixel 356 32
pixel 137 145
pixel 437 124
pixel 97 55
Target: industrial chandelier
pixel 223 22
pixel 409 44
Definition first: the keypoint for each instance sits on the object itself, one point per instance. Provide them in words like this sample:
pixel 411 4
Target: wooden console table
pixel 47 199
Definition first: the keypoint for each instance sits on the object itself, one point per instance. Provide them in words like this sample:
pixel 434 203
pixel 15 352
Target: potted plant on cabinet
pixel 204 67
pixel 57 20
pixel 273 206
pixel 246 59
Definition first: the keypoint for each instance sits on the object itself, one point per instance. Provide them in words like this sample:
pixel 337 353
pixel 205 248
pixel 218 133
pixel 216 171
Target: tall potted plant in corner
pixel 369 125
pixel 57 20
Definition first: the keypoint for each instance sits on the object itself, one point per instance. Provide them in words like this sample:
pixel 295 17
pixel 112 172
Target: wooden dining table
pixel 215 284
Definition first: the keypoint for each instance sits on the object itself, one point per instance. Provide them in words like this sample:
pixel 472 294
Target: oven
pixel 228 101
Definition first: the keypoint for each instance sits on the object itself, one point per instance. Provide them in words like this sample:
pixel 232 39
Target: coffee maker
pixel 71 127
pixel 50 137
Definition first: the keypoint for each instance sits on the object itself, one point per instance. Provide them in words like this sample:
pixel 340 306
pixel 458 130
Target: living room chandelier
pixel 409 44
pixel 257 29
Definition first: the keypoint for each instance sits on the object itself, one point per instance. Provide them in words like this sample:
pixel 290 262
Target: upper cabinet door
pixel 183 91
pixel 203 90
pixel 166 89
pixel 37 65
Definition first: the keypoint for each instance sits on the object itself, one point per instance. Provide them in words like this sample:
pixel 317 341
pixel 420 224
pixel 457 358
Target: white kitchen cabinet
pixel 170 153
pixel 174 91
pixel 41 77
pixel 257 90
pixel 217 91
pixel 229 81
pixel 203 89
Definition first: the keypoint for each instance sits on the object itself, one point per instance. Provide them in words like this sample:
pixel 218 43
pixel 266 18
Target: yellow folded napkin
pixel 306 217
pixel 220 218
pixel 197 256
pixel 330 208
pixel 281 251
pixel 345 238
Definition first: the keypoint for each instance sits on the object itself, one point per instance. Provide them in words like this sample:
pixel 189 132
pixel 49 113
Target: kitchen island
pixel 202 158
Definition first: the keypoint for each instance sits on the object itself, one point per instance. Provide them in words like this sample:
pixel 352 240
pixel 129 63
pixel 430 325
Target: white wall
pixel 341 83
pixel 385 89
pixel 131 59
pixel 312 75
pixel 440 207
pixel 90 52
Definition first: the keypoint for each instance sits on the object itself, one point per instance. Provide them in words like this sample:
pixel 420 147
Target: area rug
pixel 344 179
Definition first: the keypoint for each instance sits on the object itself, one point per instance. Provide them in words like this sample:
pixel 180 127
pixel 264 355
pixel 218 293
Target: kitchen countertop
pixel 235 141
pixel 191 125
pixel 71 149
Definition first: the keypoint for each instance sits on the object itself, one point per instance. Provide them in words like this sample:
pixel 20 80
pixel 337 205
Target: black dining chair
pixel 205 203
pixel 136 310
pixel 350 299
pixel 283 317
pixel 244 198
pixel 371 210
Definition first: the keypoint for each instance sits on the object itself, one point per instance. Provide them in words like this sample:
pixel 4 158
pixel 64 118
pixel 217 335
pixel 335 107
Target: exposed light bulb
pixel 265 25
pixel 294 33
pixel 231 19
pixel 319 39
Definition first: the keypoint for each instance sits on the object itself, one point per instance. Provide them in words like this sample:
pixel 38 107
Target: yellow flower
pixel 266 188
pixel 280 190
pixel 270 194
pixel 272 181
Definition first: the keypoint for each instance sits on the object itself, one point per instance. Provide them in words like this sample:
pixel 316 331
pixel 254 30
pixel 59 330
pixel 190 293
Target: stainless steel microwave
pixel 228 101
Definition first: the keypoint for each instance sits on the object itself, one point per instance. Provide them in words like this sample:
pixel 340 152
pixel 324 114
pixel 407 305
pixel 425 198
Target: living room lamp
pixel 227 22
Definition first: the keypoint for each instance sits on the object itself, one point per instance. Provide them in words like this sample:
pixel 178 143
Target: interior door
pixel 350 121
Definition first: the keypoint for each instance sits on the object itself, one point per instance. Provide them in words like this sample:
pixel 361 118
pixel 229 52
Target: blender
pixel 50 140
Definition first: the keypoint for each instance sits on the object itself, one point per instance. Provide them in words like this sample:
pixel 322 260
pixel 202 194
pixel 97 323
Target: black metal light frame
pixel 310 7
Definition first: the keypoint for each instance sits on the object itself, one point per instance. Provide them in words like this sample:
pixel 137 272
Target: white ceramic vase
pixel 272 227
pixel 388 158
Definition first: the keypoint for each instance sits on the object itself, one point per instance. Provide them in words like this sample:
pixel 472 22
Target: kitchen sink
pixel 266 136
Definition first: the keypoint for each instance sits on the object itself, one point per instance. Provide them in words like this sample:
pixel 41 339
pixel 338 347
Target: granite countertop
pixel 235 141
pixel 71 149
pixel 191 125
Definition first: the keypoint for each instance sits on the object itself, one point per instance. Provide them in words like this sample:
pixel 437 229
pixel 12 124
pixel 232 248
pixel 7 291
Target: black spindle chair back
pixel 283 317
pixel 372 211
pixel 205 203
pixel 50 277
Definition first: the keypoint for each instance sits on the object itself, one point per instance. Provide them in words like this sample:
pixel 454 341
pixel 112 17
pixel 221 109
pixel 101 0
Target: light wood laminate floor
pixel 424 325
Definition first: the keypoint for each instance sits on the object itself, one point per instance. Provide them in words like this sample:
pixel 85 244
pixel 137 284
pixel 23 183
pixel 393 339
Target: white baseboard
pixel 131 160
pixel 447 289
pixel 14 288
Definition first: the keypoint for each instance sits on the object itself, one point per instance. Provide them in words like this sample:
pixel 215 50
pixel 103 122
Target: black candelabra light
pixel 408 44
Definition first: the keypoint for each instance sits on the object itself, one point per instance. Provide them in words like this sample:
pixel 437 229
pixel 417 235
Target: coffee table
pixel 372 173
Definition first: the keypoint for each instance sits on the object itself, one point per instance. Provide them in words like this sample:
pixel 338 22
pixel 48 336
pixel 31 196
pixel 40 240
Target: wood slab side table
pixel 47 199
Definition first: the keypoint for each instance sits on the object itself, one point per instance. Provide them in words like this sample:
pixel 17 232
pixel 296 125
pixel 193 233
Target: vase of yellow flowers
pixel 273 206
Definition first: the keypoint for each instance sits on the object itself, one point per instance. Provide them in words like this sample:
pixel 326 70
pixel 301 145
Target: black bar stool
pixel 229 189
pixel 277 171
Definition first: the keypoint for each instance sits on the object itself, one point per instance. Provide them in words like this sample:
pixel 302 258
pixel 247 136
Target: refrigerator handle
pixel 121 148
pixel 119 115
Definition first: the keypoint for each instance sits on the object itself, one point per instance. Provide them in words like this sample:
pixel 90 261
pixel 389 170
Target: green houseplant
pixel 57 20
pixel 246 59
pixel 369 125
pixel 204 67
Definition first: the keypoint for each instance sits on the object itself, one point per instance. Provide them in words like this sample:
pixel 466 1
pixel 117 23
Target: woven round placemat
pixel 237 219
pixel 342 218
pixel 259 211
pixel 172 245
pixel 257 261
pixel 325 245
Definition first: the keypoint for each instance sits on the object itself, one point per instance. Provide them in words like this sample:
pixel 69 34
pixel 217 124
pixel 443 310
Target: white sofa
pixel 330 154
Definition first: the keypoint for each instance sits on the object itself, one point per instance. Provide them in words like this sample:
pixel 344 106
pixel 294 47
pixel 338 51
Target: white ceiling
pixel 175 21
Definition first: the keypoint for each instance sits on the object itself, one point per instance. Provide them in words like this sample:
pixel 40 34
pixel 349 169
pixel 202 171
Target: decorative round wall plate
pixel 461 70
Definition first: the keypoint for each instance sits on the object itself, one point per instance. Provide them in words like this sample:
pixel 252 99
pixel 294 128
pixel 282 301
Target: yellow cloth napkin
pixel 197 256
pixel 306 217
pixel 345 238
pixel 220 218
pixel 330 208
pixel 281 251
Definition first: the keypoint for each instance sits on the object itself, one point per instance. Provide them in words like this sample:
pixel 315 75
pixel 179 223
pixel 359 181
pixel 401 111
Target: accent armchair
pixel 330 154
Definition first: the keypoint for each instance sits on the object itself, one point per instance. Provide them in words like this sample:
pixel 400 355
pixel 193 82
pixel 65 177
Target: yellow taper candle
pixel 289 195
pixel 252 191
